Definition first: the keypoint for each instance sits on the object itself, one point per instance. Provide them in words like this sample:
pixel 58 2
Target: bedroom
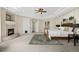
pixel 21 24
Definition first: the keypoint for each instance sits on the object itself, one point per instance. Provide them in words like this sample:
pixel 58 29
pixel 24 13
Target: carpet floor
pixel 39 39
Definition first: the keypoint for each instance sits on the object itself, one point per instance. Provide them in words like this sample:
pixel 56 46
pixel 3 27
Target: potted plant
pixel 64 20
pixel 71 18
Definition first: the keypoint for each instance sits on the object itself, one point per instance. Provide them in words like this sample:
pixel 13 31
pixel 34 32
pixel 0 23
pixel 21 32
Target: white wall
pixel 37 26
pixel 23 23
pixel 26 25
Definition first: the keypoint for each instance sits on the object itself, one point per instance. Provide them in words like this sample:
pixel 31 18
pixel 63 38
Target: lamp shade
pixel 57 25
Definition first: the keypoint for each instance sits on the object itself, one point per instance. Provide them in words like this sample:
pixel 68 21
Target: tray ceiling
pixel 30 11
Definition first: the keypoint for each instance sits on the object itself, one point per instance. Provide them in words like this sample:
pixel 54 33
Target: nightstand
pixel 73 36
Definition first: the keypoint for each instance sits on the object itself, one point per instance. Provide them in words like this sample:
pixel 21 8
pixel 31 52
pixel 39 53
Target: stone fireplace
pixel 10 31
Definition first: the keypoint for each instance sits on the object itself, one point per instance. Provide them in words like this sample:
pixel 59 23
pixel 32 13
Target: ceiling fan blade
pixel 40 10
pixel 36 10
pixel 44 11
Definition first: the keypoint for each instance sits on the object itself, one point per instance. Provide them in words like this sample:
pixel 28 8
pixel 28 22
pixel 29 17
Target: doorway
pixel 33 26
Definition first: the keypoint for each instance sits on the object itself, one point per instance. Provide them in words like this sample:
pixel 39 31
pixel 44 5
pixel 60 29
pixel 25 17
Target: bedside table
pixel 73 36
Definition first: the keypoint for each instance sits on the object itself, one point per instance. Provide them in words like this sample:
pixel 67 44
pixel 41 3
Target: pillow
pixel 77 30
pixel 66 29
pixel 61 28
pixel 70 29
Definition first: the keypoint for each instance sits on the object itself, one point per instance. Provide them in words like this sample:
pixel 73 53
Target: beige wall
pixel 74 13
pixel 19 25
pixel 24 23
pixel 40 24
pixel 0 24
pixel 55 21
pixel 3 28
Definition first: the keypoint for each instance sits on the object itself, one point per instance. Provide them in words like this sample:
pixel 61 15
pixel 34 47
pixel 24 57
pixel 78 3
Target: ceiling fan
pixel 40 10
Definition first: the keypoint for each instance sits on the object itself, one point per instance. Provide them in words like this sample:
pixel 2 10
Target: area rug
pixel 40 39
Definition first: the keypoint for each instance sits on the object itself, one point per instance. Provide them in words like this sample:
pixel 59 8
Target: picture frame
pixel 8 17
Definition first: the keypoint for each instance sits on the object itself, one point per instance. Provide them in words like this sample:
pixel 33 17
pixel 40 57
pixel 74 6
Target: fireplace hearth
pixel 10 31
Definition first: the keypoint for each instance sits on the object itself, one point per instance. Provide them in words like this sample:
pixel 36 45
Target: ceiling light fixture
pixel 40 10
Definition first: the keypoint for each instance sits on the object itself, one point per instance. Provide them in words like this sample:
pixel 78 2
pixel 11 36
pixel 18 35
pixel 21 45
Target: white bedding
pixel 58 33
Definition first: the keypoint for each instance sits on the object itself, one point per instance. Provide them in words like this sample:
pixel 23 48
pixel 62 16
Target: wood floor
pixel 21 44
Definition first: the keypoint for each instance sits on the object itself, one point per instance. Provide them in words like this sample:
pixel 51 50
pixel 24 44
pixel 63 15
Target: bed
pixel 58 33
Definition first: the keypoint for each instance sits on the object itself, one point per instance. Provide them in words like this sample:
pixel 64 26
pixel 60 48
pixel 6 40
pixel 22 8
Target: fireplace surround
pixel 10 31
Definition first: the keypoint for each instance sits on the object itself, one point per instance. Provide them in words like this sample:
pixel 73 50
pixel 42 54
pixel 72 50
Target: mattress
pixel 58 33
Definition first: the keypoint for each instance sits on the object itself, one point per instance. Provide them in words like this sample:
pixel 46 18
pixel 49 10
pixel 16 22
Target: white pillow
pixel 70 29
pixel 77 30
pixel 61 28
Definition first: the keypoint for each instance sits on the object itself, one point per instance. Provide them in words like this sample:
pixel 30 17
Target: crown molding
pixel 58 13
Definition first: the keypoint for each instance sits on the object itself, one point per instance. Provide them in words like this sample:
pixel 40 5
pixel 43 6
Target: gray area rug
pixel 40 39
